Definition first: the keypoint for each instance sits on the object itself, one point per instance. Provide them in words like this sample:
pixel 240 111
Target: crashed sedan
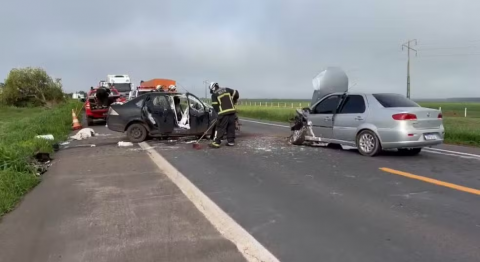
pixel 159 114
pixel 369 122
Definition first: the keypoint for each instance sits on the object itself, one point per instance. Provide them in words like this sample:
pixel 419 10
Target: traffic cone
pixel 76 125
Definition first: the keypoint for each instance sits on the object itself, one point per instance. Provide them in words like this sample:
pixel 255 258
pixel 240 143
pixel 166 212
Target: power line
pixel 407 45
pixel 440 55
pixel 450 48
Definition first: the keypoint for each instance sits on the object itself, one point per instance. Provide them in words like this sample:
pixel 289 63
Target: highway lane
pixel 325 204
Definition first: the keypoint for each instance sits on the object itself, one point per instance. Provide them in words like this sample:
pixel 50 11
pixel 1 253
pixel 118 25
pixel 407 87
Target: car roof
pixel 362 93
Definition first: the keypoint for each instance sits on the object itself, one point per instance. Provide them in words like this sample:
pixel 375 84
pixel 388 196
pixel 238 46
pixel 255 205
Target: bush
pixel 29 87
pixel 18 146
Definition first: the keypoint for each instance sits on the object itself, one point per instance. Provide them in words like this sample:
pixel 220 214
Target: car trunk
pixel 427 118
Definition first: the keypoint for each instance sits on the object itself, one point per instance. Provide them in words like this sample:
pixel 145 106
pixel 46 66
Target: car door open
pixel 160 114
pixel 198 114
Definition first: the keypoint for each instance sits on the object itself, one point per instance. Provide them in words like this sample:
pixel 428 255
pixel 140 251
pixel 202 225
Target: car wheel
pixel 409 151
pixel 137 133
pixel 89 121
pixel 297 137
pixel 368 143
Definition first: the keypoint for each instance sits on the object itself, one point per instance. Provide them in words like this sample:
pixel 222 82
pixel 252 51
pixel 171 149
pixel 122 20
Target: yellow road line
pixel 432 181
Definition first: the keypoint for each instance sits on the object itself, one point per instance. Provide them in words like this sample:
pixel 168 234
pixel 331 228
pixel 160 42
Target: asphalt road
pixel 109 204
pixel 327 204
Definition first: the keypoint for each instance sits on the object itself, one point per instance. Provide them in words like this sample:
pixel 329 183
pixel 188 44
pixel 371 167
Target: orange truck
pixel 153 83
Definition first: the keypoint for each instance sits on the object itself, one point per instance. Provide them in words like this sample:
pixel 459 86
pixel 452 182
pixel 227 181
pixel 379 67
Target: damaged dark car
pixel 163 115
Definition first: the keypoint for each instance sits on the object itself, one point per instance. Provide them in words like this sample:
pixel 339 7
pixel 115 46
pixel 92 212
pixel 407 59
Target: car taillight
pixel 404 116
pixel 87 105
pixel 440 115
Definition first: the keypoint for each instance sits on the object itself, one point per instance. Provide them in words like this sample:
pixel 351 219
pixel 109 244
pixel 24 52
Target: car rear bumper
pixel 410 144
pixel 97 114
pixel 410 139
pixel 115 123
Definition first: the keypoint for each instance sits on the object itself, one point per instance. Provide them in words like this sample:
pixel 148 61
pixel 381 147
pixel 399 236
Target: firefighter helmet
pixel 213 86
pixel 172 88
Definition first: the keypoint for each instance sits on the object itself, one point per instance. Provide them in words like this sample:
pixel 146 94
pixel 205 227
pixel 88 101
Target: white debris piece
pixel 121 143
pixel 83 134
pixel 47 137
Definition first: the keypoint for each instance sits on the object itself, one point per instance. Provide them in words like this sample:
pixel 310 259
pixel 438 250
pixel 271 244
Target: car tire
pixel 409 151
pixel 368 143
pixel 89 121
pixel 137 133
pixel 297 137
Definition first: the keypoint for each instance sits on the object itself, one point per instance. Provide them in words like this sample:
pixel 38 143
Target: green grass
pixel 458 129
pixel 18 128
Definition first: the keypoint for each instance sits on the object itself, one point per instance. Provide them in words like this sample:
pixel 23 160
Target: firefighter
pixel 160 88
pixel 223 103
pixel 172 89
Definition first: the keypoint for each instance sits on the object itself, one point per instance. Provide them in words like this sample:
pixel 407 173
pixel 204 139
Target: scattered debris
pixel 65 143
pixel 83 134
pixel 96 134
pixel 47 137
pixel 264 149
pixel 121 143
pixel 42 157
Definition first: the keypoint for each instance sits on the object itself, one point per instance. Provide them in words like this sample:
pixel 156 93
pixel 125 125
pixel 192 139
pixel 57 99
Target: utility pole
pixel 407 46
pixel 205 82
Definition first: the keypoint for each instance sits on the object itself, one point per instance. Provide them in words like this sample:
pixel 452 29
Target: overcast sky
pixel 263 48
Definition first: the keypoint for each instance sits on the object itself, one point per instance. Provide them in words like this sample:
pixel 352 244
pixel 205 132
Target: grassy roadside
pixel 458 130
pixel 18 128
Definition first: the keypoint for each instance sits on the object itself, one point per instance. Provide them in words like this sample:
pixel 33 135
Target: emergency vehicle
pixel 140 91
pixel 121 83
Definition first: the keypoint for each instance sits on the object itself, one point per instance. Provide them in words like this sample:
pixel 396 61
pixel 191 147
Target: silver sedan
pixel 369 122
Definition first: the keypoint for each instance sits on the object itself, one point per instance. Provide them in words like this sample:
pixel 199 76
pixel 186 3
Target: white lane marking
pixel 447 154
pixel 263 123
pixel 451 153
pixel 250 248
pixel 454 152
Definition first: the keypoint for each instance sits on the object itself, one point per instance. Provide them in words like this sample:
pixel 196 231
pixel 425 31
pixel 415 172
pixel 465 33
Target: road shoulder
pixel 107 203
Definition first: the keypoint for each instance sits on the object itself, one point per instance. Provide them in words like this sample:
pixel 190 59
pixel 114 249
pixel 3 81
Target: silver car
pixel 369 122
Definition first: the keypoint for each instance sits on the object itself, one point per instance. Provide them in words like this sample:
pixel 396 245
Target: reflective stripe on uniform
pixel 227 111
pixel 231 102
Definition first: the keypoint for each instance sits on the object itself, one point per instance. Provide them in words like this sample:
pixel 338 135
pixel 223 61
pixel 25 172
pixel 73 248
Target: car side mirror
pixel 307 109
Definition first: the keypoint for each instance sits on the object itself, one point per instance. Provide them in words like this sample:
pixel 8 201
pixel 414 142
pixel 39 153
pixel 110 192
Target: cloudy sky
pixel 264 48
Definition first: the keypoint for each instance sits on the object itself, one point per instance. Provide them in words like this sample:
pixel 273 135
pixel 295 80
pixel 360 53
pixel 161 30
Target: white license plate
pixel 430 136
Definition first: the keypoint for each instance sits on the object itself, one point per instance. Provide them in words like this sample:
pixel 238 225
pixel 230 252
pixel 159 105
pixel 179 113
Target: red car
pixel 95 110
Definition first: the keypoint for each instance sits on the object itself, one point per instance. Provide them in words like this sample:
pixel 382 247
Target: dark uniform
pixel 223 102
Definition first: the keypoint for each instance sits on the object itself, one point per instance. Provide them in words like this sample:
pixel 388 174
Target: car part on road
pixel 137 132
pixel 124 144
pixel 196 145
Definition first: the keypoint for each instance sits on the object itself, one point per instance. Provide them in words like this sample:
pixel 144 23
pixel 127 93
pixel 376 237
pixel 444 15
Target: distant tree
pixel 32 87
